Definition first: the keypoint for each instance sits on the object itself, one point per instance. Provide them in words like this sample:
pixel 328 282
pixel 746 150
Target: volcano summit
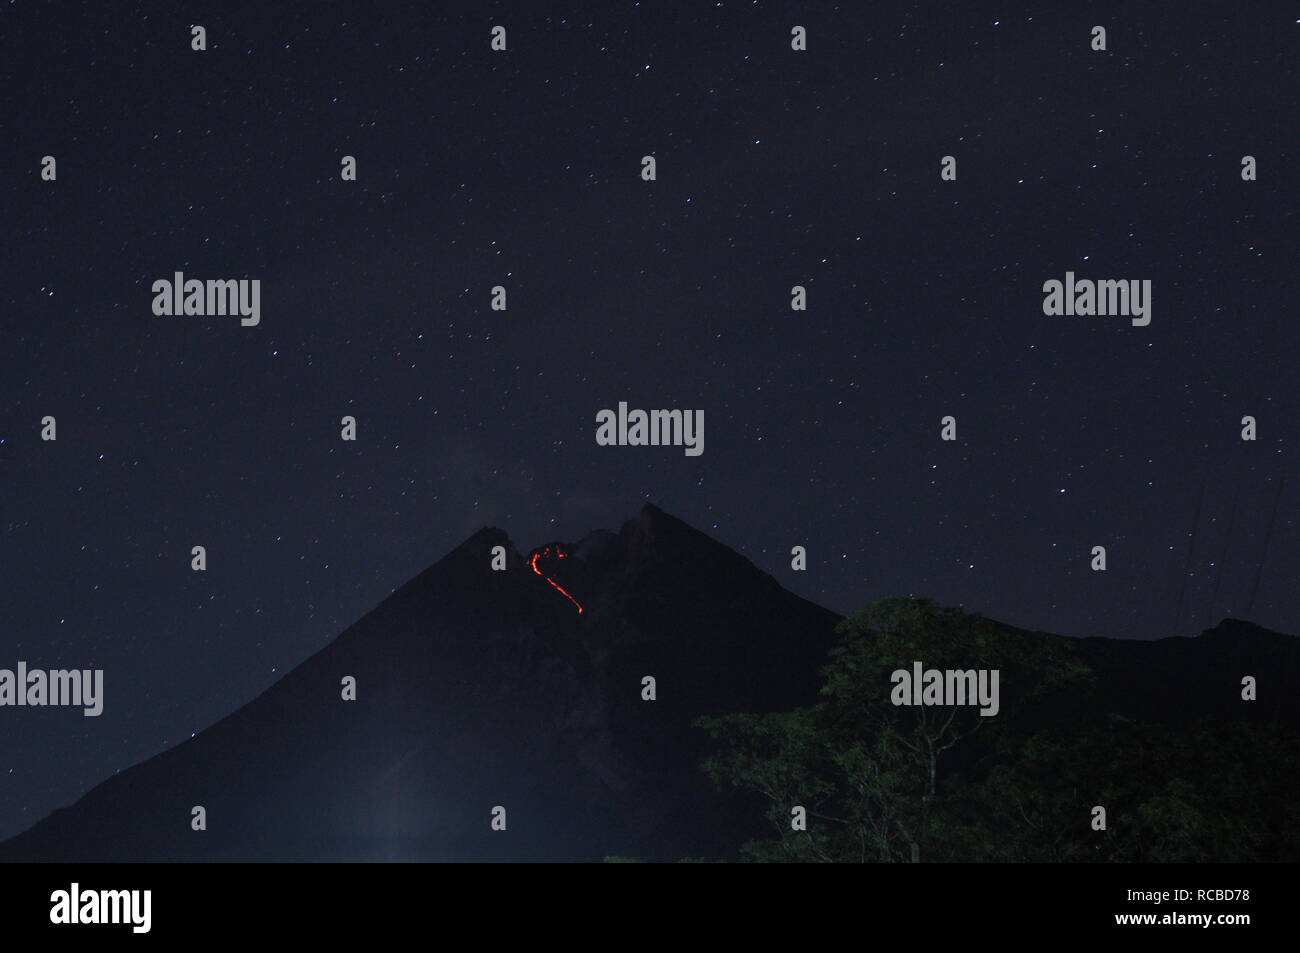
pixel 475 689
pixel 496 708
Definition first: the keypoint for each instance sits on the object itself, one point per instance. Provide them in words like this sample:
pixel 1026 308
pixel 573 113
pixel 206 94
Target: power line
pixel 1227 545
pixel 1191 548
pixel 1268 536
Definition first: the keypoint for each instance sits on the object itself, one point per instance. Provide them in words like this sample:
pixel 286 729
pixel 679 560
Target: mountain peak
pixel 477 684
pixel 479 545
pixel 485 538
pixel 1230 628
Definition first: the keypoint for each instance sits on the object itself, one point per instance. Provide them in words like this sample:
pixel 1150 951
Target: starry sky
pixel 522 169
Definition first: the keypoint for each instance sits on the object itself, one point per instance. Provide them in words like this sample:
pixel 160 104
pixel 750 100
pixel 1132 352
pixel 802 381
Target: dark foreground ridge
pixel 478 688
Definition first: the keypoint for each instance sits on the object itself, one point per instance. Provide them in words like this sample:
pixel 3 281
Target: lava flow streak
pixel 558 555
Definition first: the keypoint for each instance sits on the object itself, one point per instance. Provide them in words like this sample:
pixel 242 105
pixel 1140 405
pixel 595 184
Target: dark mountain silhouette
pixel 477 688
pixel 1177 681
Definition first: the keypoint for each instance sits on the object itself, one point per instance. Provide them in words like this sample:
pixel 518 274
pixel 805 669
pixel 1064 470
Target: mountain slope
pixel 522 689
pixel 475 689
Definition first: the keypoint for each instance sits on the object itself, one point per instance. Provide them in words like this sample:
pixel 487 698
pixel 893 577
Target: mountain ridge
pixel 478 688
pixel 503 666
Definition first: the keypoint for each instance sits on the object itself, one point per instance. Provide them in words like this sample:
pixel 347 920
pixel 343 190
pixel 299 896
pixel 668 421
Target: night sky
pixel 522 168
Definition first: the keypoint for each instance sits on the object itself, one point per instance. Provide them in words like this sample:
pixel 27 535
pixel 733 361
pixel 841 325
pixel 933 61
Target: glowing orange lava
pixel 558 555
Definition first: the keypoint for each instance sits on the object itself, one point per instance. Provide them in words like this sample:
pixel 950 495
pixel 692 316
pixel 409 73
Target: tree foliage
pixel 886 783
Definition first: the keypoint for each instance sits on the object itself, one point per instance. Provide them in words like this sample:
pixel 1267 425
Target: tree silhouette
pixel 887 783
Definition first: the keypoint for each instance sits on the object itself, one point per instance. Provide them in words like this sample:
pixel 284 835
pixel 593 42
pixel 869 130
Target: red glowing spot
pixel 546 551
